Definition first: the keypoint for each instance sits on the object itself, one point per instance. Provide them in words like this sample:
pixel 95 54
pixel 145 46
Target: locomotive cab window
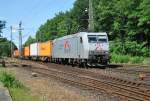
pixel 92 38
pixel 97 38
pixel 102 40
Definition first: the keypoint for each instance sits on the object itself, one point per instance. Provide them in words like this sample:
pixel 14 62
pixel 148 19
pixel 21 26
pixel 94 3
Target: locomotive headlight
pixel 106 52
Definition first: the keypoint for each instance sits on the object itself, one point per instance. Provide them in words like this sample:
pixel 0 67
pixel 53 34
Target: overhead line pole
pixel 20 39
pixel 91 18
pixel 11 45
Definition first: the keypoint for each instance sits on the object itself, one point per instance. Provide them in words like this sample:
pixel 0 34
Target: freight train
pixel 81 49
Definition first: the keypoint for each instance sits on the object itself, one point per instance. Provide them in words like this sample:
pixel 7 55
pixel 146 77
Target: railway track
pixel 125 89
pixel 105 76
pixel 121 69
pixel 126 92
pixel 130 71
pixel 126 68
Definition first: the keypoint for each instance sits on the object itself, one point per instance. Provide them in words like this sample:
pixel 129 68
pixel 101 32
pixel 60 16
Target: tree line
pixel 4 43
pixel 127 23
pixel 5 47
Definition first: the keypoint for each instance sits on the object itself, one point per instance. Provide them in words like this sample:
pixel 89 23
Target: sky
pixel 32 13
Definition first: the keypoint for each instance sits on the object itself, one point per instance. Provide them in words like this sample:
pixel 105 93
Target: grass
pixel 146 61
pixel 9 80
pixel 23 95
pixel 118 58
pixel 17 90
pixel 136 60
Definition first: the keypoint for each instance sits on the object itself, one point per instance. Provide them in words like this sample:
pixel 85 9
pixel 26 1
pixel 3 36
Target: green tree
pixel 2 25
pixel 29 41
pixel 144 19
pixel 127 23
pixel 5 47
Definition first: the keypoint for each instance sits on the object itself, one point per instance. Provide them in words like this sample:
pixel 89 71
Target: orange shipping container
pixel 45 49
pixel 27 51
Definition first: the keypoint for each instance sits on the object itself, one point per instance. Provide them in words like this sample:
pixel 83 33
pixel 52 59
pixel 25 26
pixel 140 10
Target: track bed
pixel 110 81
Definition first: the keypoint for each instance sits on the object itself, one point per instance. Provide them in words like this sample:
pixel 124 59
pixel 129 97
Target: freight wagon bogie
pixel 45 58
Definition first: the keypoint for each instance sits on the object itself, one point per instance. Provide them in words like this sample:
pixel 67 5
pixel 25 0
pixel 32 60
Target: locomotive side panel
pixel 66 48
pixel 72 46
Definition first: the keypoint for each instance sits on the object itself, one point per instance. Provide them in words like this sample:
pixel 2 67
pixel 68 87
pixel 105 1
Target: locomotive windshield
pixel 92 39
pixel 97 38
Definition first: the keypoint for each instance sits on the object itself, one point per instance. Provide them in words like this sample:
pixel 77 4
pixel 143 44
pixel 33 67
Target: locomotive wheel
pixel 84 65
pixel 72 63
pixel 80 65
pixel 105 63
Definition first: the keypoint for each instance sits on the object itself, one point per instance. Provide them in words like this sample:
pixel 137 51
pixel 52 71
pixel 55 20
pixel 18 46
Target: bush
pixel 9 81
pixel 117 58
pixel 17 90
pixel 131 48
pixel 115 47
pixel 146 61
pixel 24 95
pixel 137 59
pixel 120 58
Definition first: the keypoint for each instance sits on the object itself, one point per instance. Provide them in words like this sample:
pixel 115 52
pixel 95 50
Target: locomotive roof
pixel 81 34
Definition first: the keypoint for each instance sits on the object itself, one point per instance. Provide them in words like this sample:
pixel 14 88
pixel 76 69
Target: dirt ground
pixel 53 90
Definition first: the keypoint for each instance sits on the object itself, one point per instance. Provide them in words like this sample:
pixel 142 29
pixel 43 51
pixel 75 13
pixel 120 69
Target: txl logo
pixel 67 47
pixel 98 47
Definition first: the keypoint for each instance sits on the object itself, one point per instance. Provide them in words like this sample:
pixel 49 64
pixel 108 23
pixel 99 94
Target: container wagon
pixel 26 52
pixel 45 51
pixel 34 51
